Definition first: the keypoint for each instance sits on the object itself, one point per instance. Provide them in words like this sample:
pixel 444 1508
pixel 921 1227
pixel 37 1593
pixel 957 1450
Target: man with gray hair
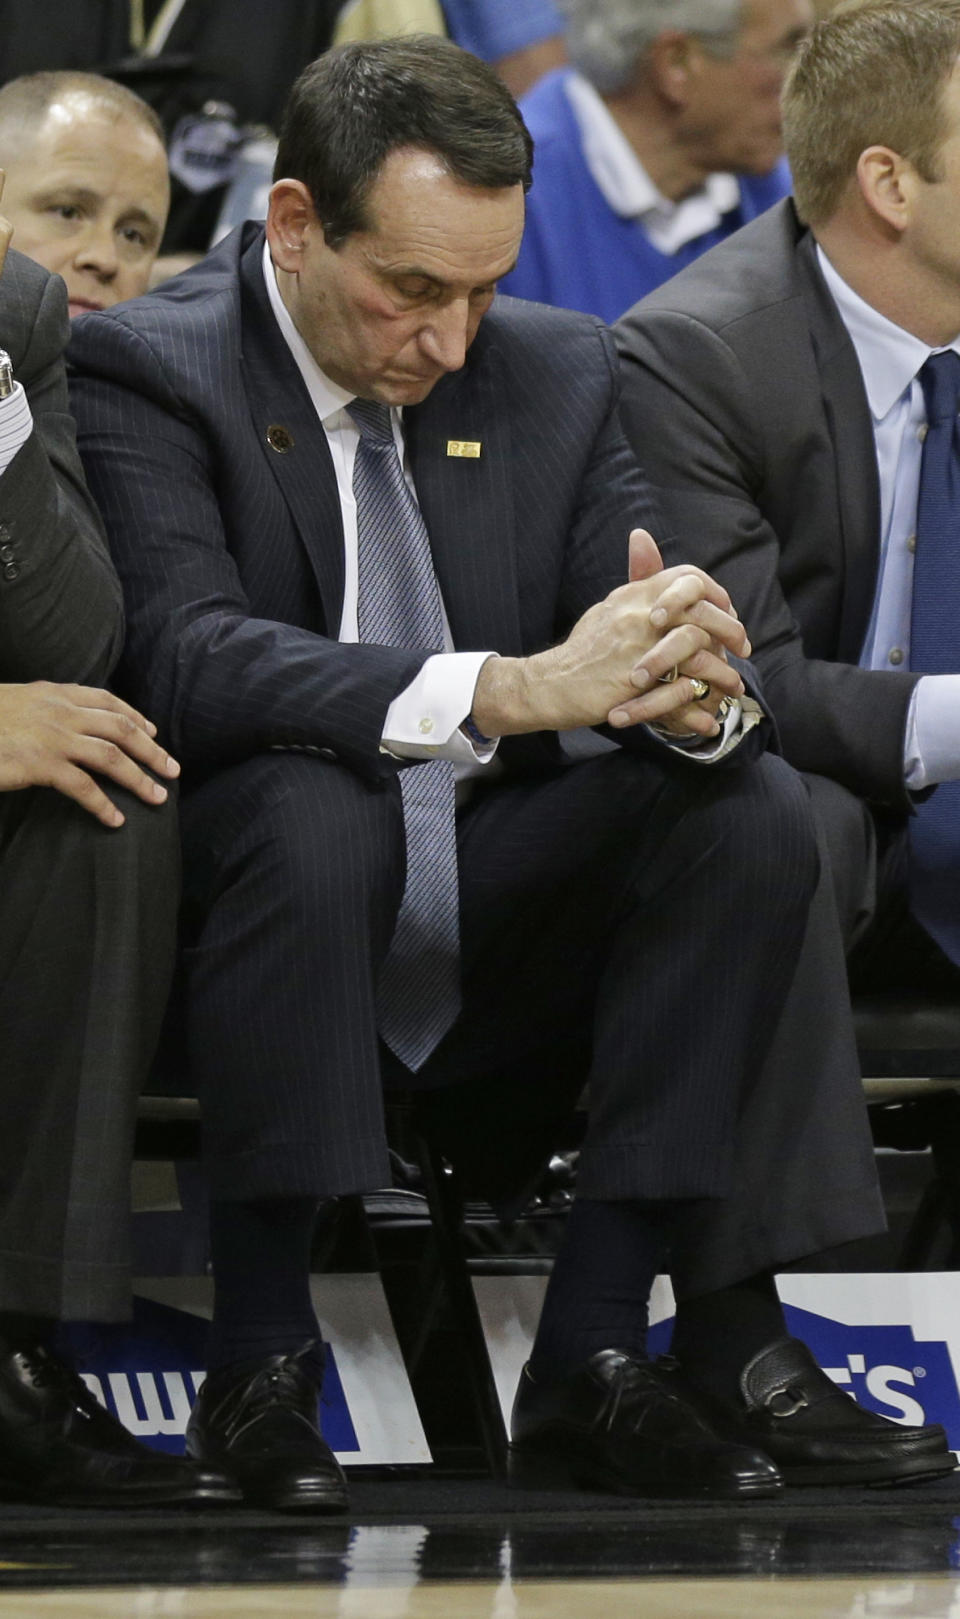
pixel 660 141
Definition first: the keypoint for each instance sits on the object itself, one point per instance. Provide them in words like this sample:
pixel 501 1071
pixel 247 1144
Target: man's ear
pixel 670 64
pixel 887 184
pixel 290 218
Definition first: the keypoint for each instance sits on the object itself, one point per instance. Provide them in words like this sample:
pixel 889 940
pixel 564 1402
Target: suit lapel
pixel 290 436
pixel 467 502
pixel 851 430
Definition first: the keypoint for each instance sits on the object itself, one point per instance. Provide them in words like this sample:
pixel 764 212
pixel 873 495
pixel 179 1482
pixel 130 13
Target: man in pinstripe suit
pixel 88 865
pixel 601 884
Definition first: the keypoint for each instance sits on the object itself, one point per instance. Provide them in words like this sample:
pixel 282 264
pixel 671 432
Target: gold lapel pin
pixel 468 449
pixel 279 438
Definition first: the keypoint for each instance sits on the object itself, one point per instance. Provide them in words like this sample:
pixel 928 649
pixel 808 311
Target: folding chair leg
pixel 446 1213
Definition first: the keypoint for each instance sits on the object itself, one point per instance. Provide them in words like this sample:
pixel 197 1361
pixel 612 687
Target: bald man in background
pixel 87 187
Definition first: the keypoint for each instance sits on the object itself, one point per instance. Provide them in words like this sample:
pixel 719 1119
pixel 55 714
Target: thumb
pixel 645 559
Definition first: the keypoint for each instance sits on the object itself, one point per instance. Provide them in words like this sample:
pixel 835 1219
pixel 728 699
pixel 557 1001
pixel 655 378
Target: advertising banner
pixel 147 1372
pixel 892 1342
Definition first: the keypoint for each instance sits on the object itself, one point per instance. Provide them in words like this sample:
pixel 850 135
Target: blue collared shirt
pixel 890 359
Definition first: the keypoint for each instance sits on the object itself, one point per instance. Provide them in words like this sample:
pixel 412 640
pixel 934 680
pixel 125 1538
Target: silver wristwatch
pixel 7 383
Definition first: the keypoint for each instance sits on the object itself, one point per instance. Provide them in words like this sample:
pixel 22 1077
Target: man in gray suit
pixel 776 391
pixel 305 446
pixel 88 870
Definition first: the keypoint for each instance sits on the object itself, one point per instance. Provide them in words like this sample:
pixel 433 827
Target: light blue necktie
pixel 399 605
pixel 935 644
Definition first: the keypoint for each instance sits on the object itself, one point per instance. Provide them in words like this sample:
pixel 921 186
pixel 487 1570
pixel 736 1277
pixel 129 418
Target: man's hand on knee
pixel 65 736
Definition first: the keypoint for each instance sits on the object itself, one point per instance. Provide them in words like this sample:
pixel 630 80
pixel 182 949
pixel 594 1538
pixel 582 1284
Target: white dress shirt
pixel 627 186
pixel 890 359
pixel 424 721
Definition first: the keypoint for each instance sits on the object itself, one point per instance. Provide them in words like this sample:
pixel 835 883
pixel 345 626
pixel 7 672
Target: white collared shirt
pixel 424 721
pixel 628 188
pixel 16 425
pixel 890 359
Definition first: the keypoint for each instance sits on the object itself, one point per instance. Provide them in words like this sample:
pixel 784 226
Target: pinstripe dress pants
pixel 643 926
pixel 87 939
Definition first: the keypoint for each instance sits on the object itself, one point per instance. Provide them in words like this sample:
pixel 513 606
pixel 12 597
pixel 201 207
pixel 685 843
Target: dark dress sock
pixel 261 1268
pixel 18 1331
pixel 599 1290
pixel 716 1334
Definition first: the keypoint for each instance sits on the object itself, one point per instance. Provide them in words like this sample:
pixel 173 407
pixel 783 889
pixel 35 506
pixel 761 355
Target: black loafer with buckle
pixel 814 1432
pixel 618 1424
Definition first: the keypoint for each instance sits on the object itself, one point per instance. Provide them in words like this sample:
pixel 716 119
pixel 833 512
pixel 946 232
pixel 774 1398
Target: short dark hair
pixel 358 103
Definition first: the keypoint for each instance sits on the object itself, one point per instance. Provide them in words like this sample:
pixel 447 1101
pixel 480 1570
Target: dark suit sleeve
pixel 698 426
pixel 60 603
pixel 614 497
pixel 221 682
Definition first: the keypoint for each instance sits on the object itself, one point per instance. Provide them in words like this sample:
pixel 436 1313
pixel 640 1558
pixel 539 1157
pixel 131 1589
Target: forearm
pixel 61 612
pixel 515 696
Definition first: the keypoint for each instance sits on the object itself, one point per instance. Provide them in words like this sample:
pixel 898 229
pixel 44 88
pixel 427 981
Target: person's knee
pixel 148 842
pixel 309 829
pixel 776 834
pixel 848 837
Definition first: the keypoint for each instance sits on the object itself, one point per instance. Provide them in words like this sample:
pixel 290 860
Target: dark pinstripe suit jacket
pixel 228 537
pixel 60 607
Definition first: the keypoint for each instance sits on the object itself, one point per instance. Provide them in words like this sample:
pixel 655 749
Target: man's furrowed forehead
pixel 423 221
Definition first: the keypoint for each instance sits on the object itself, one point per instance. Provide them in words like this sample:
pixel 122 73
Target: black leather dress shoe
pixel 616 1424
pixel 59 1446
pixel 259 1423
pixel 815 1433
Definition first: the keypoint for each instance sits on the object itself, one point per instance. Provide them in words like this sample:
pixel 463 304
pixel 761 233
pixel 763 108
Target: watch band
pixel 475 734
pixel 7 383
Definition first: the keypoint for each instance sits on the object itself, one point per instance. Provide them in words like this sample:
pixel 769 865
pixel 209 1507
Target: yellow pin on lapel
pixel 468 449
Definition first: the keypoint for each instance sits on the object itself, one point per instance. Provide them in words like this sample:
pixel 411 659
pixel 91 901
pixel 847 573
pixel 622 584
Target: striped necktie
pixel 418 995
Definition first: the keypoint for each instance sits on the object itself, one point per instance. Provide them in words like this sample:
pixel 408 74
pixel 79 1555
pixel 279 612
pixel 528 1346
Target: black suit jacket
pixel 61 614
pixel 743 395
pixel 228 537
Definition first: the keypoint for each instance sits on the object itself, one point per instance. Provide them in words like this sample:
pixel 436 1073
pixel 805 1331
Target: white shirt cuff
pixel 931 751
pixel 16 425
pixel 424 721
pixel 741 717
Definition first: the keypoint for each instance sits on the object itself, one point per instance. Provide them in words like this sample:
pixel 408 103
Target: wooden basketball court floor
pixel 880 1555
pixel 925 1597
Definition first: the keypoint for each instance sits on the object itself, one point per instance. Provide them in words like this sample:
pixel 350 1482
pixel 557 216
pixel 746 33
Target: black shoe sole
pixel 119 1499
pixel 299 1499
pixel 909 1470
pixel 548 1468
pixel 305 1495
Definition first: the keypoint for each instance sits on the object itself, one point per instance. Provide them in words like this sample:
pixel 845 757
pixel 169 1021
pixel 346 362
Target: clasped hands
pixel 697 626
pixel 609 667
